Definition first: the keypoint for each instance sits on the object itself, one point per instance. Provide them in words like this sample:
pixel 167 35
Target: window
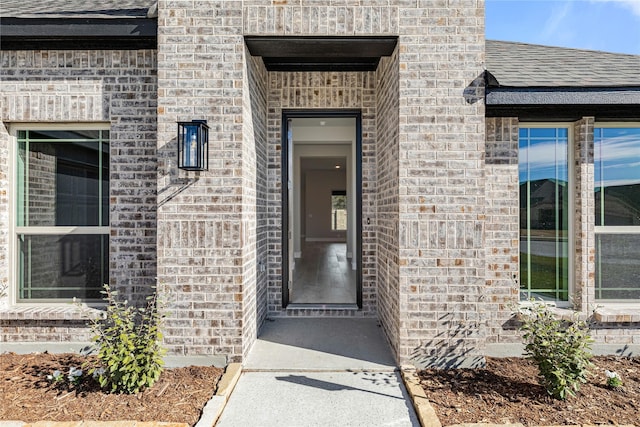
pixel 62 213
pixel 617 212
pixel 544 196
pixel 338 210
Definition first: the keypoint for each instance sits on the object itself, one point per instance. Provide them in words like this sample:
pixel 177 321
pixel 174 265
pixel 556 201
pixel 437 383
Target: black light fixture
pixel 193 145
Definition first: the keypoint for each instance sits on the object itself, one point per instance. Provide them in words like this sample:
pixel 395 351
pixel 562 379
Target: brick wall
pixel 114 87
pixel 584 218
pixel 440 248
pixel 502 226
pixel 387 198
pixel 442 182
pixel 206 244
pixel 254 199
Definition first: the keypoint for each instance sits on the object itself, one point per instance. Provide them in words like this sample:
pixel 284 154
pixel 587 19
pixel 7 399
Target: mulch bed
pixel 507 391
pixel 26 394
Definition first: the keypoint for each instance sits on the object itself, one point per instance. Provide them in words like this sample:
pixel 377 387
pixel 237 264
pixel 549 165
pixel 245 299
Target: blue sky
pixel 608 25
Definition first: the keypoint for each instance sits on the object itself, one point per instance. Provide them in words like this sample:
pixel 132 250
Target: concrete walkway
pixel 319 372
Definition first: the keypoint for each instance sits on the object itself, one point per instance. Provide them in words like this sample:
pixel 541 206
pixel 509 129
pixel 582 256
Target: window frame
pixel 609 229
pixel 571 182
pixel 15 230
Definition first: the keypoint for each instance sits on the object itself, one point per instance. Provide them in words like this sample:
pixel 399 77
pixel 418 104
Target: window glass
pixel 338 210
pixel 62 181
pixel 62 266
pixel 617 204
pixel 617 176
pixel 543 176
pixel 617 267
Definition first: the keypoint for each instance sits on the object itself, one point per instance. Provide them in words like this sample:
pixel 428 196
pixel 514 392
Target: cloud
pixel 616 160
pixel 543 155
pixel 555 22
pixel 633 5
pixel 625 147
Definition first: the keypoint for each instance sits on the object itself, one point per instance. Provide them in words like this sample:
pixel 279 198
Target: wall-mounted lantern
pixel 193 145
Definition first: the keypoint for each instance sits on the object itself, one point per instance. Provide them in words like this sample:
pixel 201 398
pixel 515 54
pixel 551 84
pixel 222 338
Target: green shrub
pixel 129 345
pixel 560 348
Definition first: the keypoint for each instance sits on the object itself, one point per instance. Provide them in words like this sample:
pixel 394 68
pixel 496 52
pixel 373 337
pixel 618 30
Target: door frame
pixel 284 192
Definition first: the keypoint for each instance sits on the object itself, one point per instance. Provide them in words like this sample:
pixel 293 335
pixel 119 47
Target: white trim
pixel 11 237
pixel 616 125
pixel 617 229
pixel 38 231
pixel 16 126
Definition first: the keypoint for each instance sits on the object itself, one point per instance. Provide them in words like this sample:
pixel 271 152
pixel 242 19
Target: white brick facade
pixel 440 246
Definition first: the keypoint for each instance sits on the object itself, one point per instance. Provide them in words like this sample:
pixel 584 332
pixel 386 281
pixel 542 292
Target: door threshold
pixel 320 306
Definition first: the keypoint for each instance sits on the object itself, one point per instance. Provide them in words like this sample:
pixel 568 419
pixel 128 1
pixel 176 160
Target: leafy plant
pixel 75 375
pixel 613 379
pixel 560 348
pixel 129 344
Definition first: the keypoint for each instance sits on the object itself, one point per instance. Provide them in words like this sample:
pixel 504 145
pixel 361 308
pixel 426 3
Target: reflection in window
pixel 617 204
pixel 63 189
pixel 543 176
pixel 62 266
pixel 338 210
pixel 617 268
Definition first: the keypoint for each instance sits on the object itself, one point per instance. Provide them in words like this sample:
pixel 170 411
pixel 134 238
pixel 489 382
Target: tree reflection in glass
pixel 543 175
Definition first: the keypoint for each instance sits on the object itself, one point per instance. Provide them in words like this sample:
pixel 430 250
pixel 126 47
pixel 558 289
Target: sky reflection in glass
pixel 543 175
pixel 617 175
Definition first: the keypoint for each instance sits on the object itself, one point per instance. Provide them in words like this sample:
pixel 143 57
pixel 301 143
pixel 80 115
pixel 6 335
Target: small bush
pixel 129 345
pixel 561 349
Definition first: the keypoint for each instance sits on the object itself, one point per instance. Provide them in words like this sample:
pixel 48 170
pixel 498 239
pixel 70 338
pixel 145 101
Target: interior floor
pixel 323 275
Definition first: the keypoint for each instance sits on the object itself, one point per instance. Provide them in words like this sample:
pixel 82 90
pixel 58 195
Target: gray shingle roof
pixel 526 65
pixel 74 8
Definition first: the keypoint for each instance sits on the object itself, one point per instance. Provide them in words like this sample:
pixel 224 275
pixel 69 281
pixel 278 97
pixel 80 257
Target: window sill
pixel 617 313
pixel 604 313
pixel 43 312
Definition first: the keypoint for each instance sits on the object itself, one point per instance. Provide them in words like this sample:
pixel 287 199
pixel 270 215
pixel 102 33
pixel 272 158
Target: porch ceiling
pixel 321 53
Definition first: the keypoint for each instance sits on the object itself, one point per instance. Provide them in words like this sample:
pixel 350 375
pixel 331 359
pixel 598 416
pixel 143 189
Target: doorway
pixel 322 205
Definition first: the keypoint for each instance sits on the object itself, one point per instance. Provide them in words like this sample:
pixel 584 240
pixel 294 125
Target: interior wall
pixel 317 204
pixel 313 150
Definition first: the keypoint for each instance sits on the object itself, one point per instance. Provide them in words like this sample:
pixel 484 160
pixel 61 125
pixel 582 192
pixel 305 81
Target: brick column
pixel 202 223
pixel 502 226
pixel 584 220
pixel 442 183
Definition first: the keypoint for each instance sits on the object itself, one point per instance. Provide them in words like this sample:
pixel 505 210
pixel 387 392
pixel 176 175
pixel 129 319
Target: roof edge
pixel 502 96
pixel 78 33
